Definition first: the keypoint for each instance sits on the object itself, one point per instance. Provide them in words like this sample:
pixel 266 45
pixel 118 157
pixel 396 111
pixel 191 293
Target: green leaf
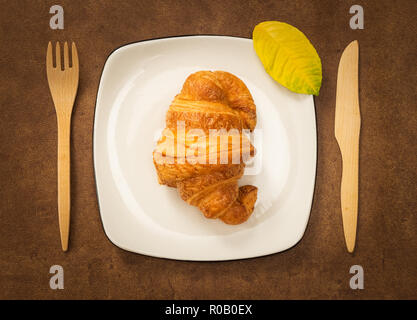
pixel 288 56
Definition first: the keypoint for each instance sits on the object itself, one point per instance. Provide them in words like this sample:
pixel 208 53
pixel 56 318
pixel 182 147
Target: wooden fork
pixel 63 84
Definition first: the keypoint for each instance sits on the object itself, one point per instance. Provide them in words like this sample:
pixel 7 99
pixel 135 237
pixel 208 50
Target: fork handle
pixel 64 198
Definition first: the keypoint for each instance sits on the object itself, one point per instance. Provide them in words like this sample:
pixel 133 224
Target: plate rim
pixel 143 252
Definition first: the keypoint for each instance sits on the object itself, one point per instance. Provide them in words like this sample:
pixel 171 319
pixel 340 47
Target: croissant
pixel 211 106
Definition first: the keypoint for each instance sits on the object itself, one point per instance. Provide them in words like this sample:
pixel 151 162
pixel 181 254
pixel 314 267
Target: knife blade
pixel 347 131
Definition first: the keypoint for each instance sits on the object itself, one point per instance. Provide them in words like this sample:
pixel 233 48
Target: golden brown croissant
pixel 211 106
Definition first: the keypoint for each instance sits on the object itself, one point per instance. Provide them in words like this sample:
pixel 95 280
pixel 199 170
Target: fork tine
pixel 66 57
pixel 74 56
pixel 58 56
pixel 49 62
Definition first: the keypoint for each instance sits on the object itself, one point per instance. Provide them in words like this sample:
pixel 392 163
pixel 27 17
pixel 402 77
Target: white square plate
pixel 137 86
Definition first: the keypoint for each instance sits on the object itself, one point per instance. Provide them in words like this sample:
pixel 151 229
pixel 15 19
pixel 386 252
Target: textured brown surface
pixel 318 266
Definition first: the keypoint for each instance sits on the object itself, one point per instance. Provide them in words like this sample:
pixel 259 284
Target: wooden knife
pixel 347 129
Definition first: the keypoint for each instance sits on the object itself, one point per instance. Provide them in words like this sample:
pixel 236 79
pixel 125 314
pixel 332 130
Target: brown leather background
pixel 318 266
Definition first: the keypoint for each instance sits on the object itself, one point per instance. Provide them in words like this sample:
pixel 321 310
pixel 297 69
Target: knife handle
pixel 349 192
